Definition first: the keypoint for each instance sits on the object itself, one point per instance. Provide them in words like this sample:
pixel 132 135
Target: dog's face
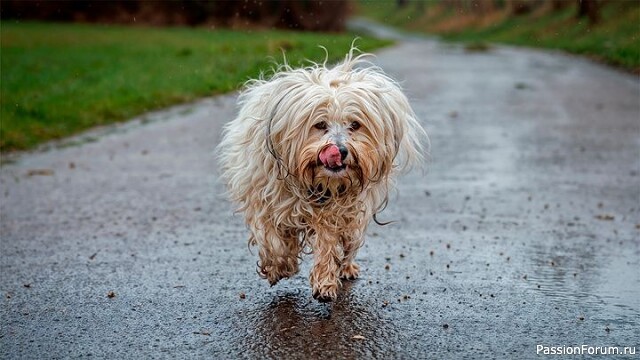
pixel 341 151
pixel 337 135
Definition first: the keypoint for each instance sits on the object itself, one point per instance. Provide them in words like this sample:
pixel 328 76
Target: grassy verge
pixel 60 79
pixel 614 40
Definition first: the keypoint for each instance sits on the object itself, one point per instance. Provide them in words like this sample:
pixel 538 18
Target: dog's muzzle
pixel 332 157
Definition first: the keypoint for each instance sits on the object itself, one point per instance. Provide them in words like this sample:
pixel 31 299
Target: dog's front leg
pixel 279 253
pixel 349 270
pixel 327 258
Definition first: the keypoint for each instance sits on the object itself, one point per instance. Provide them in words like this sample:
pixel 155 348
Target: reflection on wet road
pixel 291 322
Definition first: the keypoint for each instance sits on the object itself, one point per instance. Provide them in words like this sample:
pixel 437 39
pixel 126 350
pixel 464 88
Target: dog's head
pixel 336 131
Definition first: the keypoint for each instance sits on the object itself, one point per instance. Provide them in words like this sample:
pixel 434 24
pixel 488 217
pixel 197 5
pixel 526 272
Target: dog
pixel 310 159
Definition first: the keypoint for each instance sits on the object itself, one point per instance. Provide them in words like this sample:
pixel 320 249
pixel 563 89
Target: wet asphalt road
pixel 523 231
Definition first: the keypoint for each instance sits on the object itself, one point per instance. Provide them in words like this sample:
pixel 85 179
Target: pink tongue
pixel 330 156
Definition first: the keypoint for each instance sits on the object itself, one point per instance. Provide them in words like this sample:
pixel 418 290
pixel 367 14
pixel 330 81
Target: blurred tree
pixel 311 15
pixel 590 9
pixel 559 4
pixel 482 7
pixel 522 7
pixel 318 15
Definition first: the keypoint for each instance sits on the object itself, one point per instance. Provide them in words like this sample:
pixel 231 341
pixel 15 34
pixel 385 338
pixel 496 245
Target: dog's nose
pixel 343 151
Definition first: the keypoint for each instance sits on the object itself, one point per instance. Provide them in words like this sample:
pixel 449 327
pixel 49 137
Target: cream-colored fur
pixel 291 199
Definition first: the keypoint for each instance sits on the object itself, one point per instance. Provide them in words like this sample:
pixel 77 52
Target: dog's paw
pixel 271 277
pixel 350 271
pixel 278 271
pixel 326 293
pixel 273 280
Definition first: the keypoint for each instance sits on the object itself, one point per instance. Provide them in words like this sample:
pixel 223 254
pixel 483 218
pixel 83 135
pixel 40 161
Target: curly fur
pixel 269 156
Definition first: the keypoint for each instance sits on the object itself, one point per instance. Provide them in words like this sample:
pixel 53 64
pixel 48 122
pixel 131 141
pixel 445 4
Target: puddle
pixel 605 281
pixel 293 323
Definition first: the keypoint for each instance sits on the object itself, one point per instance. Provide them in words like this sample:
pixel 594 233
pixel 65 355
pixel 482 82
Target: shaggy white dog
pixel 310 158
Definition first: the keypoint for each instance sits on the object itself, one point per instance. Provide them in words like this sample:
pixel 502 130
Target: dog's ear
pixel 410 141
pixel 283 108
pixel 404 137
pixel 410 138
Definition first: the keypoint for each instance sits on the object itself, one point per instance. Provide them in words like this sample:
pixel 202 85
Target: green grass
pixel 60 79
pixel 614 40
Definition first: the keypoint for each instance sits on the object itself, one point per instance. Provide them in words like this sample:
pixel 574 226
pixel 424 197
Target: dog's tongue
pixel 330 156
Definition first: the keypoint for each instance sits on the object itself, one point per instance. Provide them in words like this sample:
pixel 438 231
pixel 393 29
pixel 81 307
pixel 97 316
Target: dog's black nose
pixel 343 151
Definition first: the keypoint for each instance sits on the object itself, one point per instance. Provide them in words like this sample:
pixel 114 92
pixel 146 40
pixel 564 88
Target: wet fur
pixel 269 159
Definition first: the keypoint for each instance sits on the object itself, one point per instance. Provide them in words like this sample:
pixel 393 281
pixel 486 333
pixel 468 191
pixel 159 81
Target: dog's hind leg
pixel 279 254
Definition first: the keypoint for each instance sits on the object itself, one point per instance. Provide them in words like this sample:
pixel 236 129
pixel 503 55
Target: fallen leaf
pixel 605 217
pixel 40 172
pixel 358 337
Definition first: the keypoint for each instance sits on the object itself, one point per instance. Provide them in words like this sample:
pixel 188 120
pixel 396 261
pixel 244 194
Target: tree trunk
pixel 559 4
pixel 590 9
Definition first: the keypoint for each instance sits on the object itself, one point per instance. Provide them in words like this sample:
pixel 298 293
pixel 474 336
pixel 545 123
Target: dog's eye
pixel 322 125
pixel 354 126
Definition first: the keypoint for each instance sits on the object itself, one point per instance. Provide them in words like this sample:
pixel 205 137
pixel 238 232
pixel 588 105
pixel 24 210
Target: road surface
pixel 523 232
